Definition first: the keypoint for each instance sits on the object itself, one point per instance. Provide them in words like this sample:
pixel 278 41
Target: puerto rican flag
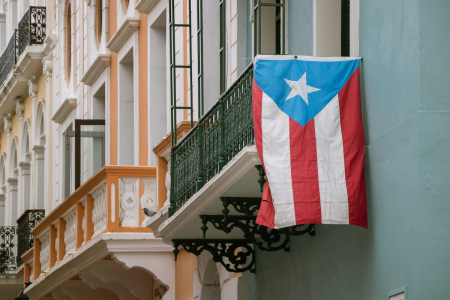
pixel 309 135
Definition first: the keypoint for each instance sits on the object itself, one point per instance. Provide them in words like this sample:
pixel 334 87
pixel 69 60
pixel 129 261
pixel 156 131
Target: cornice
pixel 64 110
pixel 123 34
pixel 50 44
pixel 96 68
pixel 145 6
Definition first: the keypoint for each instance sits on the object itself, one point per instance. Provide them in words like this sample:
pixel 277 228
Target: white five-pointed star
pixel 300 88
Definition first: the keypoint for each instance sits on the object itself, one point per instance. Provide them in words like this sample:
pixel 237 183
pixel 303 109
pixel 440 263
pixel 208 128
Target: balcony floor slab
pixel 239 178
pixel 127 259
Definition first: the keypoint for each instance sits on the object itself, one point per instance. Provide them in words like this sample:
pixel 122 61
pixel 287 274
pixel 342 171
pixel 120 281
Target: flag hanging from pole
pixel 309 135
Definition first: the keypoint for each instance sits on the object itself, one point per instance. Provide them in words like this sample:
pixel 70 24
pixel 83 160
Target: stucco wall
pixel 405 88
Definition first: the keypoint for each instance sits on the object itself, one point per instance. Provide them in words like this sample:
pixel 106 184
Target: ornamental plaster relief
pixel 148 199
pixel 70 234
pixel 44 256
pixel 99 211
pixel 129 203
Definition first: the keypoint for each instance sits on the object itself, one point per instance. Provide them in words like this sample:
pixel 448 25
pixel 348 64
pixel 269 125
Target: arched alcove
pixel 12 180
pixel 2 192
pixel 13 160
pixel 211 282
pixel 39 150
pixel 25 166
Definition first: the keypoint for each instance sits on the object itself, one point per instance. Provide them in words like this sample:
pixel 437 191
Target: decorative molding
pixel 99 211
pixel 47 65
pixel 129 203
pixel 64 110
pixel 7 123
pixel 50 44
pixel 96 68
pixel 128 27
pixel 148 199
pixel 70 234
pixel 44 256
pixel 27 56
pixel 20 106
pixel 32 87
pixel 145 6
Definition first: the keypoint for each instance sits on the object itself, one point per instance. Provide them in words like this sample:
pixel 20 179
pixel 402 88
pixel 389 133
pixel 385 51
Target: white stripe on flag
pixel 277 160
pixel 330 164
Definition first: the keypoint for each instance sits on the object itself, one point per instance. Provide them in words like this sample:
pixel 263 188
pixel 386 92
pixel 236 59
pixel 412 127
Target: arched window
pixel 68 41
pixel 13 160
pixel 2 173
pixel 125 5
pixel 99 25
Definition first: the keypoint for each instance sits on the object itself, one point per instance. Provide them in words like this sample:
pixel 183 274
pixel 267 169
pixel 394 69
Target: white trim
pixel 303 57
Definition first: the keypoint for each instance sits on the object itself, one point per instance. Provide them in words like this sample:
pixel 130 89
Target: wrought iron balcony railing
pixel 27 221
pixel 8 58
pixel 219 136
pixel 32 31
pixel 32 28
pixel 8 249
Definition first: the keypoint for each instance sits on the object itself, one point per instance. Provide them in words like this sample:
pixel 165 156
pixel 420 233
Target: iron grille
pixel 26 222
pixel 8 248
pixel 217 138
pixel 32 28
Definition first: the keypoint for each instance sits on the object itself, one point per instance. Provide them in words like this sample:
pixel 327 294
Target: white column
pixel 47 70
pixel 7 126
pixel 12 182
pixel 32 91
pixel 25 185
pixel 20 108
pixel 40 178
pixel 2 210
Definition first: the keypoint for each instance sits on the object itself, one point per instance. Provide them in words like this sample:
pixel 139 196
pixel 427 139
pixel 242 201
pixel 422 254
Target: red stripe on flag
pixel 304 172
pixel 266 213
pixel 353 140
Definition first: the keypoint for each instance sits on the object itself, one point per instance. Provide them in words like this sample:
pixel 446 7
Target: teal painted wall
pixel 405 80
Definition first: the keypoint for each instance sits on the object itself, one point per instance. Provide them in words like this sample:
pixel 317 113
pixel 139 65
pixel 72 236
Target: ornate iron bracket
pixel 267 239
pixel 235 255
pixel 262 178
pixel 244 205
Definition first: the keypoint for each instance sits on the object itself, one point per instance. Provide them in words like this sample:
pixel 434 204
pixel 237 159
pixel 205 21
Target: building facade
pixel 128 168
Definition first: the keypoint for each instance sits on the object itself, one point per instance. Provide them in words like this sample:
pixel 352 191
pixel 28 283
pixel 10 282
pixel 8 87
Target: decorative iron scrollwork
pixel 235 255
pixel 244 205
pixel 267 239
pixel 32 28
pixel 9 249
pixel 262 178
pixel 26 222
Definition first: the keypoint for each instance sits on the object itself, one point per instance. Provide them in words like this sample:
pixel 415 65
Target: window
pixel 345 28
pixel 84 152
pixel 331 28
pixel 269 27
pixel 99 25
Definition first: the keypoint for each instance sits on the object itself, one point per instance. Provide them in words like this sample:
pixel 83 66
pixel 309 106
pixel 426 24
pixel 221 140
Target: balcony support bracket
pixel 235 255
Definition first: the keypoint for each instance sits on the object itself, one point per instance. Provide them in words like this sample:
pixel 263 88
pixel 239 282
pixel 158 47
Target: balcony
pixel 27 221
pixel 8 58
pixel 32 28
pixel 97 231
pixel 224 131
pixel 22 56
